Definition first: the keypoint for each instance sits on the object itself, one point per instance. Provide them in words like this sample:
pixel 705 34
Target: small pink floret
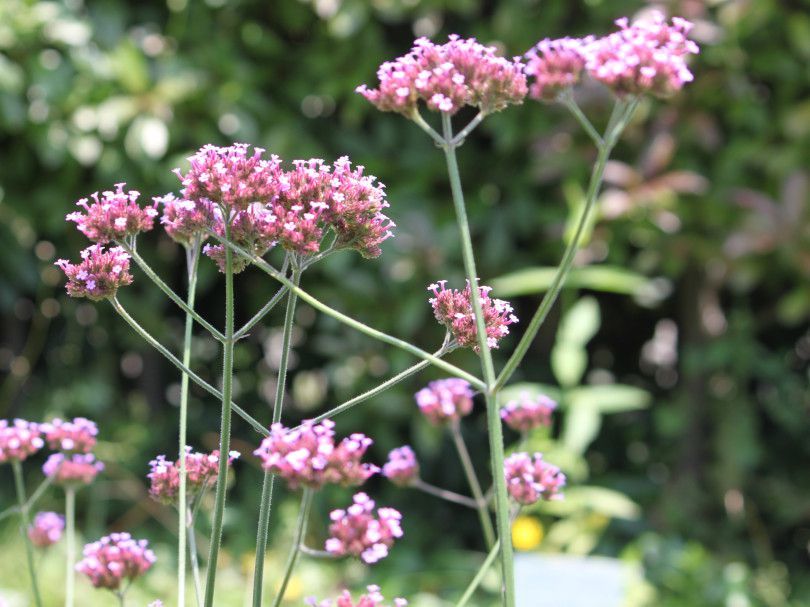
pixel 360 531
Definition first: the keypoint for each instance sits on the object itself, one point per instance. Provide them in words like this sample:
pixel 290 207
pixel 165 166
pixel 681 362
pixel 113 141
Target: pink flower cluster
pixel 19 440
pixel 454 309
pixel 99 274
pixel 46 529
pixel 115 558
pixel 373 598
pixel 308 455
pixel 528 412
pixel 186 220
pixel 75 469
pixel 555 66
pixel 202 470
pixel 402 468
pixel 113 215
pixel 530 479
pixel 77 436
pixel 445 400
pixel 447 77
pixel 357 531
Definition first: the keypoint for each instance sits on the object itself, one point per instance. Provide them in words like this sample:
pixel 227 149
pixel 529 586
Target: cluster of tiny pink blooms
pixel 75 469
pixel 528 412
pixel 113 215
pixel 77 436
pixel 99 274
pixel 202 470
pixel 530 479
pixel 445 400
pixel 448 77
pixel 555 65
pixel 46 529
pixel 359 531
pixel 185 220
pixel 254 229
pixel 373 598
pixel 308 455
pixel 114 559
pixel 402 468
pixel 454 309
pixel 19 440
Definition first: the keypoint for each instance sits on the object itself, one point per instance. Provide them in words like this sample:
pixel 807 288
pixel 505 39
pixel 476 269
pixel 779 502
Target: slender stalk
pixel 266 308
pixel 420 122
pixel 195 561
pixel 462 134
pixel 300 530
pixel 475 486
pixel 476 581
pixel 445 494
pixel 568 100
pixel 70 546
pixel 493 417
pixel 318 554
pixel 268 480
pixel 32 500
pixel 225 427
pixel 24 522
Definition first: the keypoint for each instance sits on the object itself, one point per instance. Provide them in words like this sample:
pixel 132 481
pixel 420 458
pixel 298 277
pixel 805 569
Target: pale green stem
pixel 493 414
pixel 268 480
pixel 225 426
pixel 32 500
pixel 462 134
pixel 19 483
pixel 475 485
pixel 568 100
pixel 476 581
pixel 445 494
pixel 195 562
pixel 70 546
pixel 300 531
pixel 261 313
pixel 420 122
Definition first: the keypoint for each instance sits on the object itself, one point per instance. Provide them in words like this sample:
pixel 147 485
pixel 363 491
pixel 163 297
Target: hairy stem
pixel 70 545
pixel 261 313
pixel 475 486
pixel 195 561
pixel 19 484
pixel 476 581
pixel 300 530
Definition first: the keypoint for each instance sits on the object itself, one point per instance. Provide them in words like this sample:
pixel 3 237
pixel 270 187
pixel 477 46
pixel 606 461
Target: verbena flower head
pixel 77 436
pixel 454 309
pixel 373 598
pixel 100 273
pixel 445 400
pixel 113 215
pixel 254 229
pixel 447 77
pixel 75 469
pixel 528 412
pixel 359 531
pixel 308 455
pixel 19 440
pixel 529 478
pixel 46 529
pixel 202 470
pixel 648 56
pixel 187 220
pixel 231 176
pixel 401 468
pixel 555 65
pixel 115 559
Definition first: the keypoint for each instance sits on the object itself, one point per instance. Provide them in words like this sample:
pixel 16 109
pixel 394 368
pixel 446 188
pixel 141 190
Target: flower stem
pixel 268 480
pixel 32 500
pixel 475 486
pixel 195 563
pixel 445 494
pixel 488 369
pixel 265 310
pixel 225 427
pixel 300 530
pixel 476 581
pixel 70 545
pixel 29 548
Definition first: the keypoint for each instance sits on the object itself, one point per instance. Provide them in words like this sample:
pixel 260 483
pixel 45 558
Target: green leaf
pixel 601 500
pixel 568 362
pixel 582 425
pixel 607 279
pixel 580 323
pixel 608 398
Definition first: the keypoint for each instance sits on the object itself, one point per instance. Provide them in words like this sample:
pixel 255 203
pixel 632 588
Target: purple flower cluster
pixel 100 273
pixel 454 309
pixel 114 559
pixel 445 400
pixel 528 412
pixel 185 220
pixel 72 469
pixel 46 529
pixel 359 531
pixel 555 65
pixel 308 455
pixel 113 215
pixel 202 470
pixel 402 468
pixel 529 478
pixel 373 598
pixel 77 436
pixel 19 440
pixel 448 77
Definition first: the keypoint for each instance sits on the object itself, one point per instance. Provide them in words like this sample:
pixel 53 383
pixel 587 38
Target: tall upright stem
pixel 24 522
pixel 488 369
pixel 225 425
pixel 475 485
pixel 300 530
pixel 269 479
pixel 195 565
pixel 70 546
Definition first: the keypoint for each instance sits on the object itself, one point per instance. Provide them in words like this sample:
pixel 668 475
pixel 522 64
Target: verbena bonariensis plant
pixel 235 205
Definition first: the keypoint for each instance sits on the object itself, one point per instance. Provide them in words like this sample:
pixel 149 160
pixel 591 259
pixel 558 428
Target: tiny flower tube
pixel 362 532
pixel 113 215
pixel 72 470
pixel 402 468
pixel 529 478
pixel 201 472
pixel 46 529
pixel 19 440
pixel 77 436
pixel 528 412
pixel 100 273
pixel 445 400
pixel 372 598
pixel 115 559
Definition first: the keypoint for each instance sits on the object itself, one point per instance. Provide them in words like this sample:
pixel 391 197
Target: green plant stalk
pixel 269 479
pixel 476 581
pixel 225 426
pixel 265 310
pixel 32 500
pixel 195 564
pixel 70 546
pixel 475 486
pixel 300 530
pixel 19 484
pixel 493 415
pixel 444 494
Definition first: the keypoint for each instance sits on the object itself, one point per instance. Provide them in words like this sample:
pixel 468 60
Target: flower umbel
pixel 201 471
pixel 186 220
pixel 19 440
pixel 357 531
pixel 99 274
pixel 113 215
pixel 445 400
pixel 77 436
pixel 115 558
pixel 529 478
pixel 373 598
pixel 402 468
pixel 75 469
pixel 528 412
pixel 46 529
pixel 555 65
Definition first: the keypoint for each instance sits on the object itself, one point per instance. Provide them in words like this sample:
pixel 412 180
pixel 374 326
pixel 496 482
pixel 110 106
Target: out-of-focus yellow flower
pixel 295 589
pixel 527 533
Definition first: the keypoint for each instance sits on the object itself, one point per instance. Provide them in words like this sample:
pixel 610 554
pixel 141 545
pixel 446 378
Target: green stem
pixel 266 308
pixel 475 486
pixel 225 426
pixel 32 500
pixel 420 122
pixel 24 521
pixel 445 494
pixel 476 581
pixel 300 530
pixel 488 369
pixel 462 134
pixel 195 563
pixel 568 100
pixel 268 480
pixel 70 546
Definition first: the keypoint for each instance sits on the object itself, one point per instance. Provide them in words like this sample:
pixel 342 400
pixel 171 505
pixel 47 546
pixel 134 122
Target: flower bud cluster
pixel 114 559
pixel 19 440
pixel 373 598
pixel 46 529
pixel 445 400
pixel 528 412
pixel 100 273
pixel 529 478
pixel 72 469
pixel 202 470
pixel 113 215
pixel 77 436
pixel 402 468
pixel 360 531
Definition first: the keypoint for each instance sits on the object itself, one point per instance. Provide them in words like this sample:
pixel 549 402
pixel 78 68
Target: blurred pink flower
pixel 529 478
pixel 357 531
pixel 373 598
pixel 46 529
pixel 114 559
pixel 402 468
pixel 528 412
pixel 77 436
pixel 19 440
pixel 444 400
pixel 76 469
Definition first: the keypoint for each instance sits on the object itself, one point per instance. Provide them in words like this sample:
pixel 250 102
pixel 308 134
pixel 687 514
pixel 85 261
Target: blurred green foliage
pixel 698 267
